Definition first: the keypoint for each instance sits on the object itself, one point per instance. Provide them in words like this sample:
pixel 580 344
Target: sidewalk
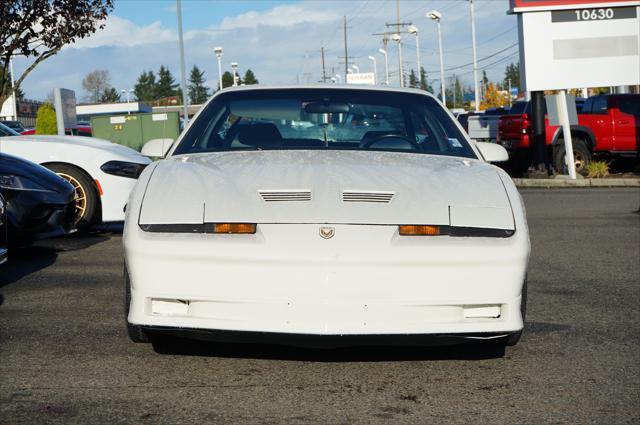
pixel 565 182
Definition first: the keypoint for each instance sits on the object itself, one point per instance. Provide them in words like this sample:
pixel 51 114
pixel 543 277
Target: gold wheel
pixel 80 196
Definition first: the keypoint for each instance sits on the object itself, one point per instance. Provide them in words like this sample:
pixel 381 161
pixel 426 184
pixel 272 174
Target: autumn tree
pixel 96 83
pixel 493 98
pixel 38 29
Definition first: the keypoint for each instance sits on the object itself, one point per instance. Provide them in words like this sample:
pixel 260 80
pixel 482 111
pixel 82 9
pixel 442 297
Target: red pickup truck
pixel 607 124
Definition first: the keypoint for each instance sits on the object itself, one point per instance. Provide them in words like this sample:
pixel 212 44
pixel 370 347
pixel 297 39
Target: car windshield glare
pixel 350 119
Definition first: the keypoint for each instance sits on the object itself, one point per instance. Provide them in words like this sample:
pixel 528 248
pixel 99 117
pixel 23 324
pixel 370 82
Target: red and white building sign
pixel 578 43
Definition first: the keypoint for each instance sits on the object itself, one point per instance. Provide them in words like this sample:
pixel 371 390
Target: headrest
pixel 260 135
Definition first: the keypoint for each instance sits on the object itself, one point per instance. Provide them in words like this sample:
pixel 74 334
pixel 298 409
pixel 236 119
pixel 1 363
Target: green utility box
pixel 136 129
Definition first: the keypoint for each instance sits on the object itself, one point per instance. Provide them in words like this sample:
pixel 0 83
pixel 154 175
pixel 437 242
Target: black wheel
pixel 136 333
pixel 581 156
pixel 86 196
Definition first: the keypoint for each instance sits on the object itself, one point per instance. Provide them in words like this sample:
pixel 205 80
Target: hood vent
pixel 285 195
pixel 367 196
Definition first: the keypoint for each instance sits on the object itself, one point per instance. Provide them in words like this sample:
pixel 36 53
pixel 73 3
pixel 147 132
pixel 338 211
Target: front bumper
pixel 35 215
pixel 367 280
pixel 322 341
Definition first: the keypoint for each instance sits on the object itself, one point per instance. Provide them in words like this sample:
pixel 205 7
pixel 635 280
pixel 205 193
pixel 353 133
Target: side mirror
pixel 492 152
pixel 156 148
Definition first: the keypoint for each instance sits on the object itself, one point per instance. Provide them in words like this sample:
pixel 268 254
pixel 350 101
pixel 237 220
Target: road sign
pixel 578 43
pixel 361 78
pixel 65 104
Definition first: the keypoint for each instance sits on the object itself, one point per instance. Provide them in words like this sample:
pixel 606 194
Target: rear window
pixel 519 108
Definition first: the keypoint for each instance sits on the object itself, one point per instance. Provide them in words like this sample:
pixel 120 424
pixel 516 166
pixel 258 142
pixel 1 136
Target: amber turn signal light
pixel 419 230
pixel 234 228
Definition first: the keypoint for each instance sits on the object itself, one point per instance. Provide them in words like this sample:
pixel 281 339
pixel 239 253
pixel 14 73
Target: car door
pixel 625 113
pixel 596 117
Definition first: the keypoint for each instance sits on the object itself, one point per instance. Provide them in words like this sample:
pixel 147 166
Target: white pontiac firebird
pixel 102 173
pixel 326 214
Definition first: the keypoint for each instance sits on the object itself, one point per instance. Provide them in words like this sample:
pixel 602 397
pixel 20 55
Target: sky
pixel 279 41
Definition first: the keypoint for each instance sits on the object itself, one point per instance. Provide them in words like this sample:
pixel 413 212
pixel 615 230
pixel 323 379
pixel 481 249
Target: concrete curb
pixel 560 183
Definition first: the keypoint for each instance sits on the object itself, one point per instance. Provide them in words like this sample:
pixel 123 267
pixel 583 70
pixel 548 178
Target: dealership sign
pixel 578 43
pixel 361 78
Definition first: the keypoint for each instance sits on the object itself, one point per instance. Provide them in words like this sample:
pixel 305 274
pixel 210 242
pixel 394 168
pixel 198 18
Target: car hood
pixel 14 166
pixel 86 142
pixel 324 186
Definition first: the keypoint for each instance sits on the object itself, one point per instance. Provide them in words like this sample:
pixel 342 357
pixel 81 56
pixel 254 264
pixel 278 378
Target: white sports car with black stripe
pixel 326 215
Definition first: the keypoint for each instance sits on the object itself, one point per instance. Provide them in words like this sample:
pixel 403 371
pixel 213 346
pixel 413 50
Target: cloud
pixel 282 44
pixel 279 16
pixel 122 32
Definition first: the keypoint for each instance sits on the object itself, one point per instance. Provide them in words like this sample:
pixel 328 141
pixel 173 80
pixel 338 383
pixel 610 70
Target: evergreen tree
pixel 413 79
pixel 424 82
pixel 249 78
pixel 46 120
pixel 145 88
pixel 166 86
pixel 512 72
pixel 110 95
pixel 227 79
pixel 198 92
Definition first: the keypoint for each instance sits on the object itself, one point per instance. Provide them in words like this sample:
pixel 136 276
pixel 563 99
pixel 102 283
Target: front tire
pixel 86 195
pixel 136 333
pixel 581 156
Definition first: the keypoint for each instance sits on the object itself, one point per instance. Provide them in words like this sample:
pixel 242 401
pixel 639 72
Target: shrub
pixel 46 120
pixel 597 169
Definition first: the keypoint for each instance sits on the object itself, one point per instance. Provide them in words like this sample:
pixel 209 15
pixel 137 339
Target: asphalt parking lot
pixel 65 356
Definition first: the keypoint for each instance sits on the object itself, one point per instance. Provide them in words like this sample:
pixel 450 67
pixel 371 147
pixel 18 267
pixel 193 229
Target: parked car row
pixel 53 185
pixel 607 124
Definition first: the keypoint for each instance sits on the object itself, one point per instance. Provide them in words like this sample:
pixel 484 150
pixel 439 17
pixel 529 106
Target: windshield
pixel 6 131
pixel 324 119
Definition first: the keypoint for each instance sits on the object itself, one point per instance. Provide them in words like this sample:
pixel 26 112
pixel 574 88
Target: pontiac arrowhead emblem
pixel 327 232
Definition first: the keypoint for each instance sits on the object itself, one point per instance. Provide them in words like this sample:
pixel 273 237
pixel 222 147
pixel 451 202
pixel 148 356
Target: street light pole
pixel 434 15
pixel 475 58
pixel 183 74
pixel 375 69
pixel 218 52
pixel 234 67
pixel 396 37
pixel 414 30
pixel 128 93
pixel 386 66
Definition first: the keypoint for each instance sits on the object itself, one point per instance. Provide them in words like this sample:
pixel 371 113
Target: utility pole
pixel 183 83
pixel 324 74
pixel 346 53
pixel 475 57
pixel 509 80
pixel 346 56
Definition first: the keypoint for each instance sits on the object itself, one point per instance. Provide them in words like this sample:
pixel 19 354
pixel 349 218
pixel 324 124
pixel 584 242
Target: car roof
pixel 377 88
